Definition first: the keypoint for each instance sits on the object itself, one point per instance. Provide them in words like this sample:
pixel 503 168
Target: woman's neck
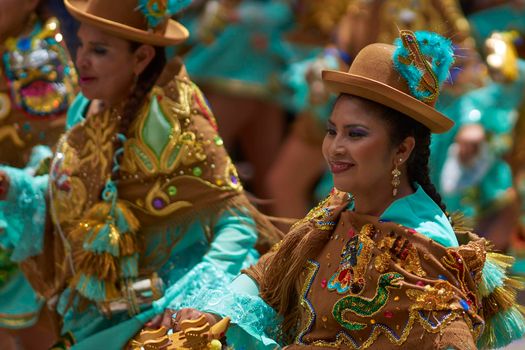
pixel 375 201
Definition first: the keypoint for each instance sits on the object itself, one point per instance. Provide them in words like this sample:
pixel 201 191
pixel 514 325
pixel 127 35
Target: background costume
pixel 37 85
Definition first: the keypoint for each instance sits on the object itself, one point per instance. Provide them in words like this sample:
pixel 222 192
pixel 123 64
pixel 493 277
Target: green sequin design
pixel 157 129
pixel 173 156
pixel 144 157
pixel 366 307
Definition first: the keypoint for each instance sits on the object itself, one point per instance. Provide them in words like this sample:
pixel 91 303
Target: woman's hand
pixel 193 314
pixel 4 185
pixel 163 320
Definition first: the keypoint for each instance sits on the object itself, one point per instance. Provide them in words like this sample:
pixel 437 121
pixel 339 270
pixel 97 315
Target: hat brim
pixel 175 32
pixel 341 82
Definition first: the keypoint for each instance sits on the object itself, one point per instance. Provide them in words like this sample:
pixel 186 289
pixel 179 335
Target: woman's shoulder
pixel 419 212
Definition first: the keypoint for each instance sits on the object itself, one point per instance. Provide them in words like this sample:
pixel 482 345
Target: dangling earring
pixel 395 179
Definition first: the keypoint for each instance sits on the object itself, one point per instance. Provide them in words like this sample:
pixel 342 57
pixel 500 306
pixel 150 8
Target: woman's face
pixel 106 65
pixel 357 146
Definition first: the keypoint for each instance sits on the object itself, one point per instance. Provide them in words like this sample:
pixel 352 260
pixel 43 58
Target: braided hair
pixel 401 127
pixel 145 82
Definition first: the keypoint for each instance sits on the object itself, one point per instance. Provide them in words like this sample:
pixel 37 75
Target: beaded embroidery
pixel 355 257
pixel 366 307
pixel 399 250
pixel 312 267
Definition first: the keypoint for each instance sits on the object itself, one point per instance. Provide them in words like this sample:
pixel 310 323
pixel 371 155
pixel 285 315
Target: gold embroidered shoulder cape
pixel 174 170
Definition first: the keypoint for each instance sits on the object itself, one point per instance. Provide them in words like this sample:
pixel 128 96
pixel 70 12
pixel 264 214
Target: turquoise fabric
pixel 419 212
pixel 499 18
pixel 295 79
pixel 20 306
pixel 254 323
pixel 235 55
pixel 23 214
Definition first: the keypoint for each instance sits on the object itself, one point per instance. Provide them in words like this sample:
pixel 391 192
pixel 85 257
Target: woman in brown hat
pixel 384 267
pixel 144 207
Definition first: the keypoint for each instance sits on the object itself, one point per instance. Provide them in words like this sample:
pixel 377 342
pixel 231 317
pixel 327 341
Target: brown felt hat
pixel 123 19
pixel 372 76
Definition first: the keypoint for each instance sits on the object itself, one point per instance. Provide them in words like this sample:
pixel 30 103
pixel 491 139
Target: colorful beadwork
pixel 311 267
pixel 355 256
pixel 366 307
pixel 39 73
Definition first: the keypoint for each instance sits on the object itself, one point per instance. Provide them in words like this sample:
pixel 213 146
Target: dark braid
pixel 401 127
pixel 145 82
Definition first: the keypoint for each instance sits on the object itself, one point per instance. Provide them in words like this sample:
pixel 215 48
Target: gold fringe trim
pixel 103 265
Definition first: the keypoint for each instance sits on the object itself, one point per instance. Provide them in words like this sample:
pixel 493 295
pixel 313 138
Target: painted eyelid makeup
pixel 357 131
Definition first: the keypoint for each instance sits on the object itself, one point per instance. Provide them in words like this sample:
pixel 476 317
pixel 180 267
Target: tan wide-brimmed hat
pixel 373 76
pixel 123 19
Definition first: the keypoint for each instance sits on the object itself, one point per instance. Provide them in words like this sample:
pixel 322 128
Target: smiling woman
pixel 377 264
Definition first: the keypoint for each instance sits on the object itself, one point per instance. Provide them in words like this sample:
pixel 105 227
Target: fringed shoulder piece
pixel 496 288
pixel 277 273
pixel 504 317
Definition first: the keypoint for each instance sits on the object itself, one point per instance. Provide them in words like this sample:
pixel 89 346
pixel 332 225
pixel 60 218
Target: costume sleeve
pixel 23 214
pixel 254 324
pixel 233 242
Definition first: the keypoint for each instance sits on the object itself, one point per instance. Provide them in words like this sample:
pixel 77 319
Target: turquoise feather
pixel 433 46
pixel 155 15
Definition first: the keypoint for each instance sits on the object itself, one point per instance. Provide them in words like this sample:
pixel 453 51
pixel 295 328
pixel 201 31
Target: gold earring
pixel 395 179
